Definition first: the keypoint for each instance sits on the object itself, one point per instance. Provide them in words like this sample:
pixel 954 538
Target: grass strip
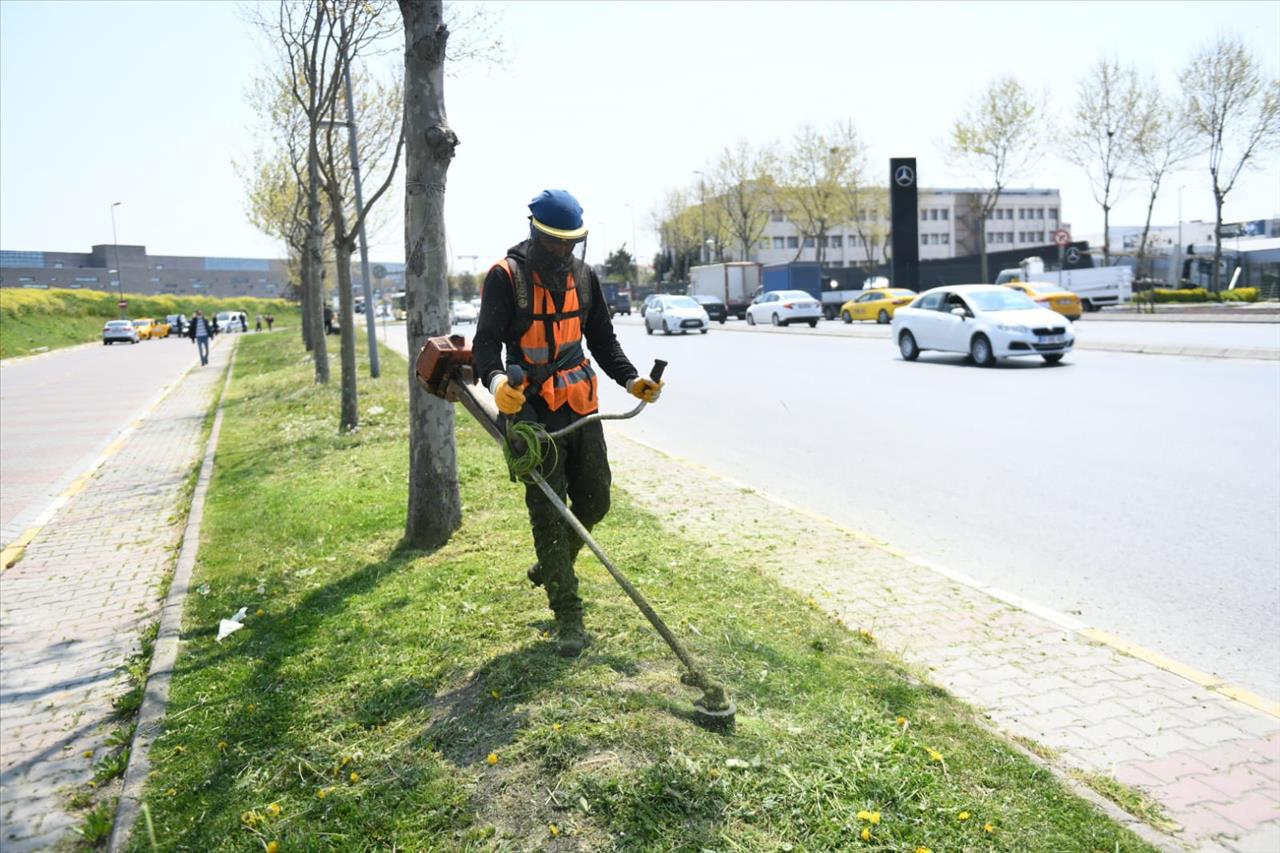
pixel 380 699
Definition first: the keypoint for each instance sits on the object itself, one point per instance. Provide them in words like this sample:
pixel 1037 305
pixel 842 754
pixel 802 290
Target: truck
pixel 735 283
pixel 1096 287
pixel 617 296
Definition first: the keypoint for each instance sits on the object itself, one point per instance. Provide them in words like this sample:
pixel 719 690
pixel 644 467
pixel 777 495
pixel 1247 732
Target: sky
pixel 144 103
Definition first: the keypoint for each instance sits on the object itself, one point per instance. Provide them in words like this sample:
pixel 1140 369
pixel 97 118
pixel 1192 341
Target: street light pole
pixel 115 242
pixel 375 369
pixel 635 250
pixel 702 208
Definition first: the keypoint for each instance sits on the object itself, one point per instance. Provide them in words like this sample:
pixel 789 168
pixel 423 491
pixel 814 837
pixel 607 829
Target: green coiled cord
pixel 535 448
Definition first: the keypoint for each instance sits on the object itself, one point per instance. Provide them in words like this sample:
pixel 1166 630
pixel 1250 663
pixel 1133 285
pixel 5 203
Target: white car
pixel 784 307
pixel 987 321
pixel 119 330
pixel 463 312
pixel 230 321
pixel 672 314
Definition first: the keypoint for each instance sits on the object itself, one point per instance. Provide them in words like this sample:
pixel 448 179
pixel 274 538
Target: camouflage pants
pixel 581 474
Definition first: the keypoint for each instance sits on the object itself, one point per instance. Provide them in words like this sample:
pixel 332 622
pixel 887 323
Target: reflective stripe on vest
pixel 575 384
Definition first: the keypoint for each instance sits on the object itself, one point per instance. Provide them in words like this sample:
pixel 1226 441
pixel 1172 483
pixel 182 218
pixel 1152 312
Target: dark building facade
pixel 141 273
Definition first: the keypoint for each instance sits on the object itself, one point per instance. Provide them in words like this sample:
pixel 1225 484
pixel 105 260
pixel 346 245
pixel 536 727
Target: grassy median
pixel 384 700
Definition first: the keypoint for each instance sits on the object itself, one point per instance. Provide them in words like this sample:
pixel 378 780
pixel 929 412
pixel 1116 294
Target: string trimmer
pixel 444 367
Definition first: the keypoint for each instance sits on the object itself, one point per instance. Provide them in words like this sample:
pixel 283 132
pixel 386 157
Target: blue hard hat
pixel 557 213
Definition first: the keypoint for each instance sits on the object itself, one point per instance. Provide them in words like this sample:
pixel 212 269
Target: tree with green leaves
pixel 1163 145
pixel 742 186
pixel 619 264
pixel 678 220
pixel 814 175
pixel 1103 134
pixel 1235 112
pixel 998 137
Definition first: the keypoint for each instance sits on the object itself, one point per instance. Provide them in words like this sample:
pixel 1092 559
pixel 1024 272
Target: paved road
pixel 60 411
pixel 1138 492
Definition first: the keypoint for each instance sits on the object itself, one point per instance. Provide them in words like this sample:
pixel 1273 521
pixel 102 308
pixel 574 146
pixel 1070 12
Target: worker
pixel 541 302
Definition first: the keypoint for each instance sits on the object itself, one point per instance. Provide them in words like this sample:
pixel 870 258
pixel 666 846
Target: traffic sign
pixel 123 303
pixel 1062 236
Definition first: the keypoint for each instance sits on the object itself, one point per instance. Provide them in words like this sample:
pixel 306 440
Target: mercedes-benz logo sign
pixel 904 176
pixel 1073 255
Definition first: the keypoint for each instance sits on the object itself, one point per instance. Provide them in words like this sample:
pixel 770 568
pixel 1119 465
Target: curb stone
pixel 156 692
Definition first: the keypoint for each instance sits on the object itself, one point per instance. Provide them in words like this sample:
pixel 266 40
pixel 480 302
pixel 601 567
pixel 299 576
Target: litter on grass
pixel 227 627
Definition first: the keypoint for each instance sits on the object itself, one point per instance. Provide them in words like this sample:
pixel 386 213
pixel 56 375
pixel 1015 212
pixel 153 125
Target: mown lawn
pixel 381 700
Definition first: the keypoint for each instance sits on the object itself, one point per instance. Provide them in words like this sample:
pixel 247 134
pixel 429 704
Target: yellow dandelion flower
pixel 934 755
pixel 866 833
pixel 988 827
pixel 495 694
pixel 902 721
pixel 88 753
pixel 261 612
pixel 222 746
pixel 173 792
pixel 273 847
pixel 179 749
pixel 874 817
pixel 249 818
pixel 321 793
pixel 274 808
pixel 556 727
pixel 346 759
pixel 923 850
pixel 555 830
pixel 355 777
pixel 963 816
pixel 251 707
pixel 493 758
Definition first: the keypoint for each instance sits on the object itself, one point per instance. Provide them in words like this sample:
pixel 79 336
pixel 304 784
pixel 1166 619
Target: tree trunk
pixel 1217 241
pixel 1106 235
pixel 435 503
pixel 304 293
pixel 982 254
pixel 349 418
pixel 1142 246
pixel 315 252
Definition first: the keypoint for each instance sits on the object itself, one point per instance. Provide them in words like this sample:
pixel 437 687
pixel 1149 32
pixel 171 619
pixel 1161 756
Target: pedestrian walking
pixel 541 303
pixel 201 330
pixel 257 325
pixel 270 319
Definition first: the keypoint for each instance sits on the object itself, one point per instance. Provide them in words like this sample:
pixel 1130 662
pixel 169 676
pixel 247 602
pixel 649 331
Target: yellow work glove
pixel 645 389
pixel 510 400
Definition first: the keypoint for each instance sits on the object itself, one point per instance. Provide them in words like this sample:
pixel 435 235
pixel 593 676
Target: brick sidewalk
pixel 71 611
pixel 1212 762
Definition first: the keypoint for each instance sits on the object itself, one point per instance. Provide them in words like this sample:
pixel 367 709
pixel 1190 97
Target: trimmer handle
pixel 515 375
pixel 658 367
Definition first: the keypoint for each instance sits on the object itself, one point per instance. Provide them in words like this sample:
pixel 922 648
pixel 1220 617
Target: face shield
pixel 556 254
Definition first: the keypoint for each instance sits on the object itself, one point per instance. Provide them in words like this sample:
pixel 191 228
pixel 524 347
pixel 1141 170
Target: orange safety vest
pixel 552 346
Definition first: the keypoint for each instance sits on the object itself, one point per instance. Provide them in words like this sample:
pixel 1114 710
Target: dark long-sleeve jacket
pixel 495 327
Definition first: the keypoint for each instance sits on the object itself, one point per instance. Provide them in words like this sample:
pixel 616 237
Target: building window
pixel 776 216
pixel 1039 213
pixel 793 242
pixel 159 266
pixel 1053 214
pixel 1008 236
pixel 837 242
pixel 933 214
pixel 779 242
pixel 57 265
pixel 924 239
pixel 924 215
pixel 946 214
pixel 764 243
pixel 946 239
pixel 808 242
pixel 87 278
pixel 25 278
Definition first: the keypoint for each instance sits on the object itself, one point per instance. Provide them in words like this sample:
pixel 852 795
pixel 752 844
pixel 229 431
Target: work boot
pixel 535 574
pixel 571 636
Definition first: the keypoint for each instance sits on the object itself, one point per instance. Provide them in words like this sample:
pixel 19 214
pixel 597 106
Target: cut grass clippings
pixel 381 700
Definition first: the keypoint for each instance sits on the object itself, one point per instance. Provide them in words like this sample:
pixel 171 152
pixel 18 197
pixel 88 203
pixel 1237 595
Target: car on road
pixel 144 327
pixel 987 321
pixel 160 329
pixel 1064 302
pixel 784 307
pixel 229 321
pixel 177 323
pixel 463 312
pixel 648 301
pixel 671 314
pixel 713 305
pixel 878 304
pixel 119 330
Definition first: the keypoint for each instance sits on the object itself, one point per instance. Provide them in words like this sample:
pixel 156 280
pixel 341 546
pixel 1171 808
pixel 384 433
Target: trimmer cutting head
pixel 715 719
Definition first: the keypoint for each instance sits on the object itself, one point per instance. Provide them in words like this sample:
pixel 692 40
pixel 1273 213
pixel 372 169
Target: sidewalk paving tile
pixel 71 613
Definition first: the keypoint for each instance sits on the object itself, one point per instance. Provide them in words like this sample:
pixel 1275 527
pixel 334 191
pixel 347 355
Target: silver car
pixel 672 314
pixel 119 330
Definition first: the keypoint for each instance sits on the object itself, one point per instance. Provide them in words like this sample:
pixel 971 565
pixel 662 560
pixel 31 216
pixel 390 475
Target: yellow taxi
pixel 160 328
pixel 876 304
pixel 1063 302
pixel 144 326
